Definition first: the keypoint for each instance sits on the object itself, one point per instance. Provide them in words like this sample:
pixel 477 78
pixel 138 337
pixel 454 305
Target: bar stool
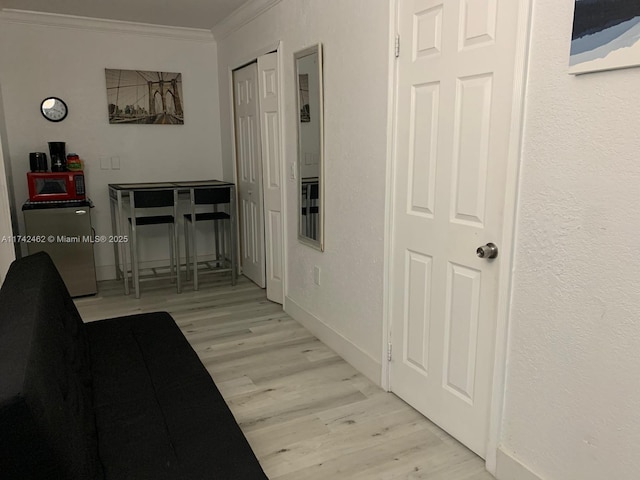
pixel 154 199
pixel 221 220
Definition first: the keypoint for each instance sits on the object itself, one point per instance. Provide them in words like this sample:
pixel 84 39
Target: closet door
pixel 249 165
pixel 271 173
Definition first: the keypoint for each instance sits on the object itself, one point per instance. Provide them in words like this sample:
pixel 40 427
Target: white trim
pixel 241 16
pixel 389 189
pixel 102 25
pixel 105 272
pixel 283 175
pixel 234 157
pixel 507 244
pixel 509 468
pixel 344 347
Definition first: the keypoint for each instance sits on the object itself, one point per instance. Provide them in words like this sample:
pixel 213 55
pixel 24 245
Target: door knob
pixel 487 251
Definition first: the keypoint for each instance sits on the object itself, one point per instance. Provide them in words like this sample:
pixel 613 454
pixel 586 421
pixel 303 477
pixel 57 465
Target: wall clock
pixel 54 109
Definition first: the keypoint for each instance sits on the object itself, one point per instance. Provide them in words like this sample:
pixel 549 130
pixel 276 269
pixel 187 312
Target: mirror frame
pixel 319 243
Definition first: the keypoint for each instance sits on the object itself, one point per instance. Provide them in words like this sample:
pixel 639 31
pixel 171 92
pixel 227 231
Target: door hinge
pixel 389 352
pixel 397 46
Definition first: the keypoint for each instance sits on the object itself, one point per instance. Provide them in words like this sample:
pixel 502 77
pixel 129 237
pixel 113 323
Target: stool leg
pixel 223 239
pixel 195 255
pixel 176 239
pixel 171 253
pixel 126 258
pixel 223 243
pixel 232 248
pixel 134 259
pixel 216 235
pixel 186 248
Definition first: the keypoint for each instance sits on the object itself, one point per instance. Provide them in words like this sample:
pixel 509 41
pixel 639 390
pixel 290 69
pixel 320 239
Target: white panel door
pixel 454 107
pixel 249 165
pixel 271 174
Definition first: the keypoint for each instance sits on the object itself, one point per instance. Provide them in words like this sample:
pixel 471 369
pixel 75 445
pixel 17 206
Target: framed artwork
pixel 144 97
pixel 606 35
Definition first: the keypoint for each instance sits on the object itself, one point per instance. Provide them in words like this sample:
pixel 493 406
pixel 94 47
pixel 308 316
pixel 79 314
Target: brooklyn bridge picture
pixel 136 96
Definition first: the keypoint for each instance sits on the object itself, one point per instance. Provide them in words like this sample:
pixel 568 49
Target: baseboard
pixel 509 468
pixel 344 347
pixel 105 272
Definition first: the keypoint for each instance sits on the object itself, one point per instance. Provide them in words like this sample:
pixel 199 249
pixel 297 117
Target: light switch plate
pixel 115 163
pixel 105 163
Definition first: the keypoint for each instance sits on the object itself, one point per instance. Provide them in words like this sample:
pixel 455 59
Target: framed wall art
pixel 606 35
pixel 144 97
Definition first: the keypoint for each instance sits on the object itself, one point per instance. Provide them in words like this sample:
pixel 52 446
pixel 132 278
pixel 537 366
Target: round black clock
pixel 54 109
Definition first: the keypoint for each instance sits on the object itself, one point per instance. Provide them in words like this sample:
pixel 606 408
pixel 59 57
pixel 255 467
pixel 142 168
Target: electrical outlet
pixel 316 275
pixel 115 163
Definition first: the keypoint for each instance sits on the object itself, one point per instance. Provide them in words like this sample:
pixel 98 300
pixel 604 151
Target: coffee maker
pixel 58 155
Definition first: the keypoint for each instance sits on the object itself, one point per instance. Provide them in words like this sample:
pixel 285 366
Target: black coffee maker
pixel 58 154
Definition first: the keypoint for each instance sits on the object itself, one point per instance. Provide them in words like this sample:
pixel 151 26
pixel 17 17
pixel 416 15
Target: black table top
pixel 168 185
pixel 29 205
pixel 203 183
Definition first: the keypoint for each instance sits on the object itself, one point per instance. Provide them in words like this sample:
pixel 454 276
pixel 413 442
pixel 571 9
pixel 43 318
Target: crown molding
pixel 241 16
pixel 101 25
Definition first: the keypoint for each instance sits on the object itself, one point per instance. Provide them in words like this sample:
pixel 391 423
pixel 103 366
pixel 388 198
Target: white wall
pixel 573 393
pixel 346 309
pixel 66 57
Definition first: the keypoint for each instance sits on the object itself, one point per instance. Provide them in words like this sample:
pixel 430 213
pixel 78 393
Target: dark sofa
pixel 125 398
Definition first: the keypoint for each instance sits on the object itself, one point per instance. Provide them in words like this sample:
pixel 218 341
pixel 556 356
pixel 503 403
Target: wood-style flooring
pixel 307 414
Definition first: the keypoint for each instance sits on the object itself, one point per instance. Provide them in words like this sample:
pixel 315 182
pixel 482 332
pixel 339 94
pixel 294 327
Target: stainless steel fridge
pixel 63 230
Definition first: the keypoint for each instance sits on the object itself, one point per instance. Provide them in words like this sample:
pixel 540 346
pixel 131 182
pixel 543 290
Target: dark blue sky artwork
pixel 606 35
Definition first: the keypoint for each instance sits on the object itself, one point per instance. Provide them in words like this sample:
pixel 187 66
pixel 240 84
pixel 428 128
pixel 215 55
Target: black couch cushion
pixel 47 425
pixel 159 414
pixel 121 399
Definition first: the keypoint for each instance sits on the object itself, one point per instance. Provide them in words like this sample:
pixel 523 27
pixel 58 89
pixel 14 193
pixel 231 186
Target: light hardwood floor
pixel 307 414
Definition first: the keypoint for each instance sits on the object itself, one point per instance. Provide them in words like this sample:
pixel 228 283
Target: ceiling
pixel 178 13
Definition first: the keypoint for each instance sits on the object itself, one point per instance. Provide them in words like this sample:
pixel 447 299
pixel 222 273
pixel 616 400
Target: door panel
pixel 424 145
pixel 461 330
pixel 272 175
pixel 471 149
pixel 418 315
pixel 249 160
pixel 454 102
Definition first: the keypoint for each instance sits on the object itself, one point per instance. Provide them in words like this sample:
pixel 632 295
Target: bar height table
pixel 119 191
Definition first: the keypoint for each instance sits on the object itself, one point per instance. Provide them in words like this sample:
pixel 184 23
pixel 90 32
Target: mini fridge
pixel 63 230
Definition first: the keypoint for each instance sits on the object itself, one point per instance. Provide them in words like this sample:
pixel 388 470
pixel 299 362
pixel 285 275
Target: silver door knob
pixel 487 251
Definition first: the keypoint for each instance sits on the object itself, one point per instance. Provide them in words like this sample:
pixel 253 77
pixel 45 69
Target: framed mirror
pixel 308 69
